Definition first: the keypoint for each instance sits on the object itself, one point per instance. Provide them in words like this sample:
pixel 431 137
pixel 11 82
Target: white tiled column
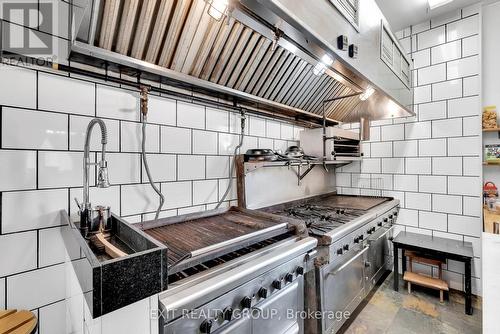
pixel 432 163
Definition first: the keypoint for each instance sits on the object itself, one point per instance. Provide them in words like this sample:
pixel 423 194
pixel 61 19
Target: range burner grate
pixel 322 219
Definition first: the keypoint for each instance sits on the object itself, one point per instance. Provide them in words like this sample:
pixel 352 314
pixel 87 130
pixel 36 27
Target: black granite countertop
pixel 112 283
pixel 444 245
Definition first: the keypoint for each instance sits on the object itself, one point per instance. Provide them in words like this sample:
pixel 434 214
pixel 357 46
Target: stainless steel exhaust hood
pixel 247 55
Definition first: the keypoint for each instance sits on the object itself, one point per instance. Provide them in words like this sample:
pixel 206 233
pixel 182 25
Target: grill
pixel 181 36
pixel 197 239
pixel 179 275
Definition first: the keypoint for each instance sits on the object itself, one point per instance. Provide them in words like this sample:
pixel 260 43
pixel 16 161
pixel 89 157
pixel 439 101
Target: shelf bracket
pixel 248 168
pixel 300 175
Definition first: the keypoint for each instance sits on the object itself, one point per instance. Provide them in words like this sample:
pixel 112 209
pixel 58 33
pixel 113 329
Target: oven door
pixel 279 313
pixel 240 326
pixel 342 288
pixel 377 255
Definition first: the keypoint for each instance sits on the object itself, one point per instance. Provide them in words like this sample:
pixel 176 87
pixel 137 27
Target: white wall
pixel 491 96
pixel 44 114
pixel 490 80
pixel 432 162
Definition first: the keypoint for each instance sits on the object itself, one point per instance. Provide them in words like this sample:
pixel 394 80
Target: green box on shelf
pixel 492 154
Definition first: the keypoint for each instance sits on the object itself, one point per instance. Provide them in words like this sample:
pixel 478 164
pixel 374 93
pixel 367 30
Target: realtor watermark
pixel 253 313
pixel 26 32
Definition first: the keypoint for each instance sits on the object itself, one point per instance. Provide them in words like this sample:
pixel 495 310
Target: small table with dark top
pixel 435 247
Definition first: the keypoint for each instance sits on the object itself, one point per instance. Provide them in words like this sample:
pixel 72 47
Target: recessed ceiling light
pixel 319 69
pixel 327 60
pixel 321 66
pixel 367 93
pixel 217 8
pixel 433 4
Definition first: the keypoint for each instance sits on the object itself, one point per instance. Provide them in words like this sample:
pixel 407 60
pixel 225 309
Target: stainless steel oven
pixel 378 255
pixel 261 292
pixel 276 314
pixel 353 250
pixel 343 286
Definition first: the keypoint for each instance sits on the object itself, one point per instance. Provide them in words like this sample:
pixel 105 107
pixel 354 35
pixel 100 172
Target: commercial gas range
pixel 233 271
pixel 353 252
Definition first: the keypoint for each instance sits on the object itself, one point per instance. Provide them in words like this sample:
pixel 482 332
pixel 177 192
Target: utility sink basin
pixel 112 282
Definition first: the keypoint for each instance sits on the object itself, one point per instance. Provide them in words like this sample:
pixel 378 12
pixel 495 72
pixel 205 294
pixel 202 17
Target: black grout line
pixel 1 123
pixel 36 90
pixel 37 170
pixel 69 132
pixel 1 195
pixel 122 120
pixel 38 248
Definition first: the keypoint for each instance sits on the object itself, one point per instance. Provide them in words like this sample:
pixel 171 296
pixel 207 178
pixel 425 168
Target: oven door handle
pixel 351 260
pixel 384 234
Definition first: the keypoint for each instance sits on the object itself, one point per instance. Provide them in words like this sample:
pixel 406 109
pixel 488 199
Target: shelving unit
pixel 490 173
pixel 489 219
pixel 493 130
pixel 252 166
pixel 301 168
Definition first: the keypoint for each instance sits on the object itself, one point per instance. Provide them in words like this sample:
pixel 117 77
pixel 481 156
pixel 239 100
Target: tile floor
pixel 391 312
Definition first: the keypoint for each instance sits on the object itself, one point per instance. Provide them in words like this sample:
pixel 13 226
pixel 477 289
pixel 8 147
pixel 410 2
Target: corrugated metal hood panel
pixel 179 35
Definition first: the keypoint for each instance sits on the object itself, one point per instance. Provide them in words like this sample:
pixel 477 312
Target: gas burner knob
pixel 346 247
pixel 373 229
pixel 356 240
pixel 300 270
pixel 277 284
pixel 339 251
pixel 246 302
pixel 390 216
pixel 361 237
pixel 386 220
pixel 289 278
pixel 369 231
pixel 262 293
pixel 337 211
pixel 342 211
pixel 379 224
pixel 206 326
pixel 227 314
pixel 395 213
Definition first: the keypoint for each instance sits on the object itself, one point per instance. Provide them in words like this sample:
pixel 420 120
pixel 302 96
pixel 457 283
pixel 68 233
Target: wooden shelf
pixel 489 218
pixel 492 130
pixel 490 163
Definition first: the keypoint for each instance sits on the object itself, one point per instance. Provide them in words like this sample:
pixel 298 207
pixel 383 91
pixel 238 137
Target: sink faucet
pixel 102 175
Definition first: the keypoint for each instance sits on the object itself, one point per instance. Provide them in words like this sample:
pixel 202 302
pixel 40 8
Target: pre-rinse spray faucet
pixel 102 175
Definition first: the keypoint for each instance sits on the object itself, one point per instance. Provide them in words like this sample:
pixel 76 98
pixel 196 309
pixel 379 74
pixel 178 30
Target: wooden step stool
pixel 424 280
pixel 17 322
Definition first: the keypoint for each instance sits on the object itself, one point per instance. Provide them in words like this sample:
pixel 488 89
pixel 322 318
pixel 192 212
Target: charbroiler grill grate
pixel 196 239
pixel 177 276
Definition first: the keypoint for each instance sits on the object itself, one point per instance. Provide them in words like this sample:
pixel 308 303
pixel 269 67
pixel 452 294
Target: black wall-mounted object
pixel 353 51
pixel 342 42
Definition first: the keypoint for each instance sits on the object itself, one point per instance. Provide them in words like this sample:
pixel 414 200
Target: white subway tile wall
pixel 41 162
pixel 188 150
pixel 433 163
